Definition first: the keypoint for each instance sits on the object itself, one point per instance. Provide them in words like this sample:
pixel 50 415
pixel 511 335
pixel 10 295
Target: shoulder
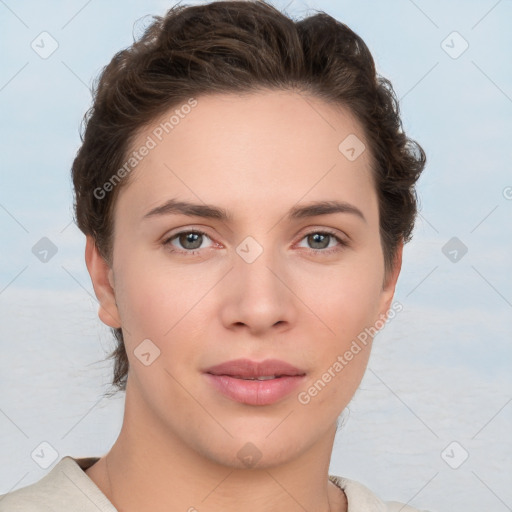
pixel 361 499
pixel 66 486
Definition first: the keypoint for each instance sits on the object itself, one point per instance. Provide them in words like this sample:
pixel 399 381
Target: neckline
pixel 86 462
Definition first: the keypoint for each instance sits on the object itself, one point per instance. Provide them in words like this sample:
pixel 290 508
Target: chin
pixel 255 451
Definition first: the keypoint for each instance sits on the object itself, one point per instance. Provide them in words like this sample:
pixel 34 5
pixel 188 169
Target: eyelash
pixel 316 252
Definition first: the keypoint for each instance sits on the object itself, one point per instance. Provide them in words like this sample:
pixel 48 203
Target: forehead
pixel 252 150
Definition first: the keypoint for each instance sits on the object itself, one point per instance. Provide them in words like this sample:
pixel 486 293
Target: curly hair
pixel 239 46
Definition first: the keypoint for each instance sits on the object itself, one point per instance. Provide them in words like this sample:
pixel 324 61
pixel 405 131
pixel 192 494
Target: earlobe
pixel 103 284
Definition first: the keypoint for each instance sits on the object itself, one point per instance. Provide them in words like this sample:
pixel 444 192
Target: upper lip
pixel 247 368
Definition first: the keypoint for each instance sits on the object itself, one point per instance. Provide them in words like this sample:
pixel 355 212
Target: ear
pixel 103 284
pixel 389 285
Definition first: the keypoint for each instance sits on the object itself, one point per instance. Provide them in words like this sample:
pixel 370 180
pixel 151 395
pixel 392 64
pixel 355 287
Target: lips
pixel 247 369
pixel 255 383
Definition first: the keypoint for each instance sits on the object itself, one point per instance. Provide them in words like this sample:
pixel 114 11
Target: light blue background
pixel 440 372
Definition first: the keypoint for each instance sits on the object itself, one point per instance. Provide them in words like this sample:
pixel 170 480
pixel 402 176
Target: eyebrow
pixel 313 209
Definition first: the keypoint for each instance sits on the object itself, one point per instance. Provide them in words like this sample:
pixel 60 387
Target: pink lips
pixel 228 378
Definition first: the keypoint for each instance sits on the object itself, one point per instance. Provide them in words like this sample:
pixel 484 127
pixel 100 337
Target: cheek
pixel 346 303
pixel 155 298
pixel 345 299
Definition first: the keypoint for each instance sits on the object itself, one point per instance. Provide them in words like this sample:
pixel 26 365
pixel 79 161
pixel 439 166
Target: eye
pixel 320 242
pixel 190 241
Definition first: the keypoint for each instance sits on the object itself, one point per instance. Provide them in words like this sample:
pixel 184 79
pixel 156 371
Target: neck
pixel 149 468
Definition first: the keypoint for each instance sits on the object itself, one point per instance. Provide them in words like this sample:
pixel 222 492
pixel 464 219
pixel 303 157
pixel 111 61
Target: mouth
pixel 250 370
pixel 262 377
pixel 255 383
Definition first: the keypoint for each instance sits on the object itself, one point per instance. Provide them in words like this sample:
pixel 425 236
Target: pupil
pixel 323 238
pixel 191 237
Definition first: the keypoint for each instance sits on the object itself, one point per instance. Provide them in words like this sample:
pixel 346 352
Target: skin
pixel 256 156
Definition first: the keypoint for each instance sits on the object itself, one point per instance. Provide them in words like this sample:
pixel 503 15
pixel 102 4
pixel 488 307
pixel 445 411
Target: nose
pixel 259 293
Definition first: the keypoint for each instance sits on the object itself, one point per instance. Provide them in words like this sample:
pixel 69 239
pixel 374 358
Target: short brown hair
pixel 240 46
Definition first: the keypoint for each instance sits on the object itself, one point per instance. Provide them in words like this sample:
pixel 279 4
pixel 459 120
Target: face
pixel 260 275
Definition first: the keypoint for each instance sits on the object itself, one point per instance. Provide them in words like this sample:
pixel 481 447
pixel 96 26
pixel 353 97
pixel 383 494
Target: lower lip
pixel 255 392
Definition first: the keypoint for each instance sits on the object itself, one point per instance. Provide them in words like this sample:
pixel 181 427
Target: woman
pixel 246 189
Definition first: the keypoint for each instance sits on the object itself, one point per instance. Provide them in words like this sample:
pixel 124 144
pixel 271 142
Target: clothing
pixel 67 488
